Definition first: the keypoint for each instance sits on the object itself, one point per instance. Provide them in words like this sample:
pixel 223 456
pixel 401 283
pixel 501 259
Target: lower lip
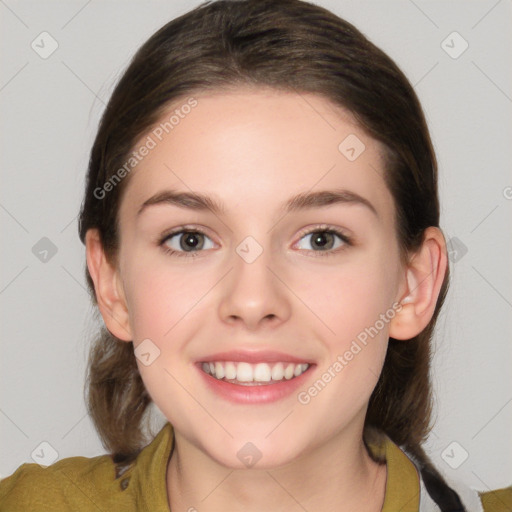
pixel 257 394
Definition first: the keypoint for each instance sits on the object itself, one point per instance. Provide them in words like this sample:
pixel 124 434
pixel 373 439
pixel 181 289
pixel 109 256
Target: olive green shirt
pixel 96 484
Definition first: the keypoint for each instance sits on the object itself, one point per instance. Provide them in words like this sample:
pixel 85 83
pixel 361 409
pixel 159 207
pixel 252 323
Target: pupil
pixel 320 238
pixel 190 240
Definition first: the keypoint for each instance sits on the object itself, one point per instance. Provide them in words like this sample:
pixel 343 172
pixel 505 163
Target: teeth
pixel 278 371
pixel 219 371
pixel 244 372
pixel 289 371
pixel 260 372
pixel 230 371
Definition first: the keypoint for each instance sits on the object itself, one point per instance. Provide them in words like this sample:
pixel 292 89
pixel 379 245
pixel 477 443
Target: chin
pixel 256 454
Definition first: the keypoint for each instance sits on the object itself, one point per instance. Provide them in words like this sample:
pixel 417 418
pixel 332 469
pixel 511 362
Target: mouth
pixel 243 377
pixel 243 373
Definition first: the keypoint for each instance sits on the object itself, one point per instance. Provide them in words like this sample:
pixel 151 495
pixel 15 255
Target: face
pixel 264 321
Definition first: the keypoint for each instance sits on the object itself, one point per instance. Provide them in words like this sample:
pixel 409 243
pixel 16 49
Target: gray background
pixel 49 113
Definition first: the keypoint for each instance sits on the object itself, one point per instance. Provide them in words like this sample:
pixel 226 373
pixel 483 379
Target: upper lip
pixel 254 356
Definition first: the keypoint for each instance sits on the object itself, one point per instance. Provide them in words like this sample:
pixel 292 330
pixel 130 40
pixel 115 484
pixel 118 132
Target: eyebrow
pixel 302 201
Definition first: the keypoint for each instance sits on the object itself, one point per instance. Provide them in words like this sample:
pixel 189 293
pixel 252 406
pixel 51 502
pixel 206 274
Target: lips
pixel 253 376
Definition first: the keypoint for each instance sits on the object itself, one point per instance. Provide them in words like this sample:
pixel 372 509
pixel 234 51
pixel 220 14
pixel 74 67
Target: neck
pixel 337 476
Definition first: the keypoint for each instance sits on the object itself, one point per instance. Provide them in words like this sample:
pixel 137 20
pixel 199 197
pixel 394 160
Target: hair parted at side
pixel 290 45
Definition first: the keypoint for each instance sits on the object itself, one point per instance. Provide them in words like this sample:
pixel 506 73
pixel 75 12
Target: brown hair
pixel 289 45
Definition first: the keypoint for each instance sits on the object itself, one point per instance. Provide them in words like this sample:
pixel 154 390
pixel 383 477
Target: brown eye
pixel 186 241
pixel 323 240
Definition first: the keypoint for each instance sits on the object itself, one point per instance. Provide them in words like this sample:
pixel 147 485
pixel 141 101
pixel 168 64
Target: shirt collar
pixel 150 474
pixel 402 481
pixel 149 478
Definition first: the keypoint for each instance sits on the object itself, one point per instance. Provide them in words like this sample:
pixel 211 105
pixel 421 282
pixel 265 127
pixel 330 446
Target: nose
pixel 254 293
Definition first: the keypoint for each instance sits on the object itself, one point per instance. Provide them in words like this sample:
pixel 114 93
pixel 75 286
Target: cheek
pixel 165 307
pixel 350 303
pixel 349 298
pixel 163 296
pixel 150 305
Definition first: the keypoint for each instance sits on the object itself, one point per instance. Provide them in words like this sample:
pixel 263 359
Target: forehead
pixel 257 148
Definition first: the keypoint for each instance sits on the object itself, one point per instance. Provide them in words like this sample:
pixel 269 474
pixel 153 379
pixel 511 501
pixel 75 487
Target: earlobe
pixel 108 289
pixel 425 274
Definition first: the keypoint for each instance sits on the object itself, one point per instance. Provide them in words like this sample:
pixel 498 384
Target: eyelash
pixel 318 229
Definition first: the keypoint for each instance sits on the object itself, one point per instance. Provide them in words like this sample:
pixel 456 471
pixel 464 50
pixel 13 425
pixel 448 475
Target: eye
pixel 189 242
pixel 185 241
pixel 323 240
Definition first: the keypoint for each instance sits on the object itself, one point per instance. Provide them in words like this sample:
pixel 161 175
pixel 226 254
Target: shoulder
pixel 499 500
pixel 92 484
pixel 401 464
pixel 72 483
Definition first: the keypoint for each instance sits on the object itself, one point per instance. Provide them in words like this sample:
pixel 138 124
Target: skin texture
pixel 253 150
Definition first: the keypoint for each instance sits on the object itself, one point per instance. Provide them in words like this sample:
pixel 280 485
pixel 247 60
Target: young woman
pixel 261 222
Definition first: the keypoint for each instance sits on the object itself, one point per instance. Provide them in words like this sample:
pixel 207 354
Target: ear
pixel 425 273
pixel 108 288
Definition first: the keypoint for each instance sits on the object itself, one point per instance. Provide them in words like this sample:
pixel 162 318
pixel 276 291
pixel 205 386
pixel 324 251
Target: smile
pixel 247 374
